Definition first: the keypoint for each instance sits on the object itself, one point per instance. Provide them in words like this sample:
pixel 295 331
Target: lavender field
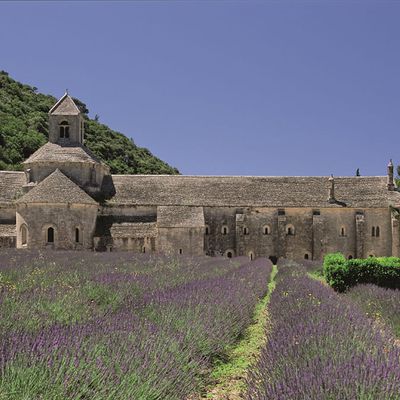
pixel 379 303
pixel 119 326
pixel 322 345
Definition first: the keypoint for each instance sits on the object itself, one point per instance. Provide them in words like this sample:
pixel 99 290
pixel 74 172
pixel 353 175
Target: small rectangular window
pixel 281 211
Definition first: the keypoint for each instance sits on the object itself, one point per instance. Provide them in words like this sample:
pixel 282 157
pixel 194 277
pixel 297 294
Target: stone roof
pixel 11 183
pixel 133 230
pixel 54 152
pixel 65 106
pixel 242 191
pixel 180 217
pixel 8 230
pixel 57 188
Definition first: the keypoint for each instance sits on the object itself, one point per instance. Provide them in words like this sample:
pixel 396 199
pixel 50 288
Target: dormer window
pixel 64 130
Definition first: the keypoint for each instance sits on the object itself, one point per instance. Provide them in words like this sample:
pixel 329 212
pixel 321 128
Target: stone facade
pixel 66 198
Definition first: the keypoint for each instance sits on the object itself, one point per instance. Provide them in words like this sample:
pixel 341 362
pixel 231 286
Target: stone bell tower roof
pixel 57 153
pixel 65 106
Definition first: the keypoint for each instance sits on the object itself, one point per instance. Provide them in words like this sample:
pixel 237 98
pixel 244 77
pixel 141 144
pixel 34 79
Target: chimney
pixel 390 180
pixel 331 198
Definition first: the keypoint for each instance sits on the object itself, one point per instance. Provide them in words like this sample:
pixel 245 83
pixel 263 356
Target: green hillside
pixel 24 128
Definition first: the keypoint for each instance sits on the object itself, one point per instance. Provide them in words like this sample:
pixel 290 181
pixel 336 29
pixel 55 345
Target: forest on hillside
pixel 24 128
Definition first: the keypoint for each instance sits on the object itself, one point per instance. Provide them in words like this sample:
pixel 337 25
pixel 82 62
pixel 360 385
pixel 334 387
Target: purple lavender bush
pixel 117 325
pixel 322 346
pixel 379 303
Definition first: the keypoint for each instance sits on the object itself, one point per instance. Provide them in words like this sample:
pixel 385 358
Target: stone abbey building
pixel 66 198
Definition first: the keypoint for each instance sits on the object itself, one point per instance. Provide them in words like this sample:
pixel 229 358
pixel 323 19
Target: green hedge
pixel 342 274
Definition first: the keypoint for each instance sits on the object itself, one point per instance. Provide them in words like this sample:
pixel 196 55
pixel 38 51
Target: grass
pixel 228 375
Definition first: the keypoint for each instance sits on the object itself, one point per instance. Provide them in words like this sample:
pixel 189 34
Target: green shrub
pixel 335 271
pixel 342 274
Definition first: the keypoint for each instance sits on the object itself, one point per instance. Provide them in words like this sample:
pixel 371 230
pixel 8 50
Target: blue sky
pixel 224 87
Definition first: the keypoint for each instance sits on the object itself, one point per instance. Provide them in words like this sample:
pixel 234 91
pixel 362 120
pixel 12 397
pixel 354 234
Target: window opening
pixel 50 235
pixel 24 235
pixel 290 230
pixel 64 130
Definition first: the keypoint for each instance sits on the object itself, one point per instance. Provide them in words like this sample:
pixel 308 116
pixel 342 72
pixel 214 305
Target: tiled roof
pixel 11 183
pixel 133 230
pixel 242 191
pixel 180 217
pixel 54 152
pixel 57 188
pixel 7 230
pixel 65 106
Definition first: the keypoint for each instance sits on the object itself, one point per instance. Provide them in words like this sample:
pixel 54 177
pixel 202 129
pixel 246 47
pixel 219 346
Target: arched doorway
pixel 274 259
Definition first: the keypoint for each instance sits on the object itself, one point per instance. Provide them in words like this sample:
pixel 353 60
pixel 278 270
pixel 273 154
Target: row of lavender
pixel 321 345
pixel 113 326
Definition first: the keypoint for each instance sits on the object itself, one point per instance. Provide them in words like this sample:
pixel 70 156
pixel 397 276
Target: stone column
pixel 281 245
pixel 240 247
pixel 360 233
pixel 317 237
pixel 395 238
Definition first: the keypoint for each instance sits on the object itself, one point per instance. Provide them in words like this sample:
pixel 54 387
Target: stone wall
pixel 64 219
pixel 181 241
pixel 7 214
pixel 314 232
pixel 74 122
pixel 7 242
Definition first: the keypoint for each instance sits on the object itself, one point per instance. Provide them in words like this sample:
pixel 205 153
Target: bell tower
pixel 66 123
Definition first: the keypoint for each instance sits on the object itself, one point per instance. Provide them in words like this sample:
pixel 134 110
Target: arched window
pixel 245 230
pixel 251 256
pixel 373 231
pixel 207 230
pixel 180 251
pixel 224 230
pixel 229 253
pixel 24 235
pixel 377 231
pixel 306 256
pixel 290 230
pixel 77 235
pixel 64 130
pixel 50 235
pixel 266 230
pixel 342 231
pixel 144 249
